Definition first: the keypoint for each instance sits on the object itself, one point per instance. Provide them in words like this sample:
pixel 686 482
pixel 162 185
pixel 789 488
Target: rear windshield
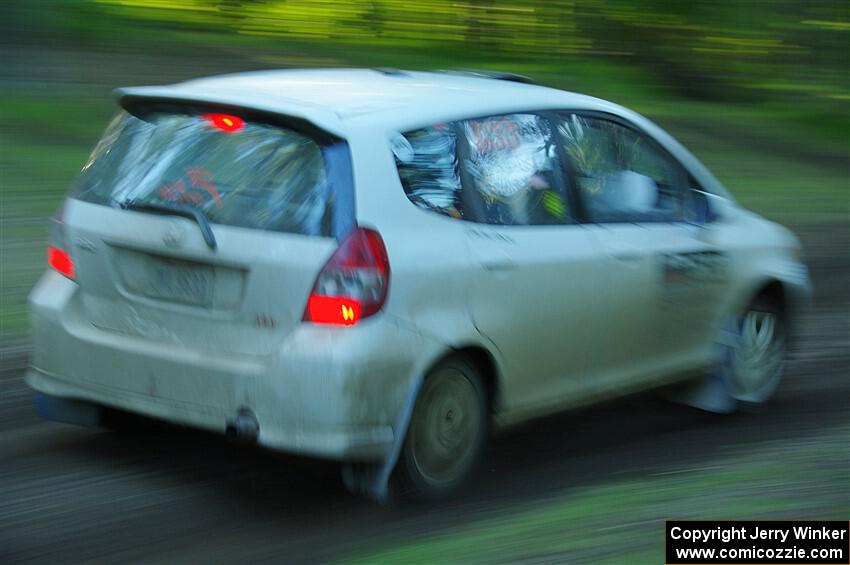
pixel 238 172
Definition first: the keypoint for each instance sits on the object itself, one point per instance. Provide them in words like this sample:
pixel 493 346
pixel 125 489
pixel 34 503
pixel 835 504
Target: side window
pixel 508 175
pixel 512 171
pixel 622 175
pixel 428 168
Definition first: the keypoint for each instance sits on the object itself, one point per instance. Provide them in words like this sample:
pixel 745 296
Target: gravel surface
pixel 71 494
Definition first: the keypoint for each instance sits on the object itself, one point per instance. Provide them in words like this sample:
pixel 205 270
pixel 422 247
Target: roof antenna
pixel 496 75
pixel 390 71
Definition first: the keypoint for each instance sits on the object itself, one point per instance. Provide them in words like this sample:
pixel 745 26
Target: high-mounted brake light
pixel 61 261
pixel 353 283
pixel 225 122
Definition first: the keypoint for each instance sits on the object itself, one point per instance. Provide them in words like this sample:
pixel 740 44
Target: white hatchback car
pixel 374 266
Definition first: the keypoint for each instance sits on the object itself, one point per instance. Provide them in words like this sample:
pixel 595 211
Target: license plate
pixel 180 281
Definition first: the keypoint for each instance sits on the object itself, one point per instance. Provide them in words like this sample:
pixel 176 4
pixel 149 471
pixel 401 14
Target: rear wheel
pixel 447 431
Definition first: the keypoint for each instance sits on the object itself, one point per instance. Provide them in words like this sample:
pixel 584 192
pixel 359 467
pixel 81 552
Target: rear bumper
pixel 365 443
pixel 327 392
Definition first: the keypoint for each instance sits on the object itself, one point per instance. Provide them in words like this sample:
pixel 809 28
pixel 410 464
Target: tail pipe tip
pixel 244 427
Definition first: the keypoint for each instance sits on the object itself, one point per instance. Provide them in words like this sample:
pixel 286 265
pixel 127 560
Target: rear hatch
pixel 206 230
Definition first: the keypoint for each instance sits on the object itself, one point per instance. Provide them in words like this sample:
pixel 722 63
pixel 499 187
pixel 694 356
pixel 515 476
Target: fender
pixel 372 480
pixel 796 286
pixel 709 393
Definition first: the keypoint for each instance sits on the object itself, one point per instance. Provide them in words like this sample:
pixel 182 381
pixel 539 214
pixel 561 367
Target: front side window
pixel 622 175
pixel 237 172
pixel 498 170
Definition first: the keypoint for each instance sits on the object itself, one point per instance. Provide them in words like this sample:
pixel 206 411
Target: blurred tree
pixel 716 49
pixel 373 17
pixel 478 30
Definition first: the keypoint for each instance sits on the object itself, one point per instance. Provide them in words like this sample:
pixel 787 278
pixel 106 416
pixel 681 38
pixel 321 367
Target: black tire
pixel 447 433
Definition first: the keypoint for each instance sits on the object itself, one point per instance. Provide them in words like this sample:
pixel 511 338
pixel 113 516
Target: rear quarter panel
pixel 429 255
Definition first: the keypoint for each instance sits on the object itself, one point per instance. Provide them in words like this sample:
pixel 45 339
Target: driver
pixel 511 164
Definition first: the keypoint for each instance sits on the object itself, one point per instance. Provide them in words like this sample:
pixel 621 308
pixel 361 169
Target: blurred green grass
pixel 45 140
pixel 623 522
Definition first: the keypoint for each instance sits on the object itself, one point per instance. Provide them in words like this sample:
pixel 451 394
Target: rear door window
pixel 238 172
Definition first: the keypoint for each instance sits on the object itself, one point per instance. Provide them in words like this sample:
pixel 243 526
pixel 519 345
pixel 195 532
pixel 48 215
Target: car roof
pixel 350 95
pixel 345 101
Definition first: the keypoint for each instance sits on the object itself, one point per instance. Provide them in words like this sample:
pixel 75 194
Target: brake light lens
pixel 225 122
pixel 61 261
pixel 353 283
pixel 333 310
pixel 57 258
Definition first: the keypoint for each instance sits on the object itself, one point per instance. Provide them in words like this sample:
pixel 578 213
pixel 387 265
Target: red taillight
pixel 225 122
pixel 332 310
pixel 353 283
pixel 61 261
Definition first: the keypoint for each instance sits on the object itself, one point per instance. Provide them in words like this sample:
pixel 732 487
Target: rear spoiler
pixel 318 123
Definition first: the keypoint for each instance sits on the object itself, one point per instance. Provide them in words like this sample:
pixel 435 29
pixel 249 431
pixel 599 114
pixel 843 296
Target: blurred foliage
pixel 748 49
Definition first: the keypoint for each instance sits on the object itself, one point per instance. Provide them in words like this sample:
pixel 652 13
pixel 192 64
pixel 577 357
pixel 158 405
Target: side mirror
pixel 630 192
pixel 698 207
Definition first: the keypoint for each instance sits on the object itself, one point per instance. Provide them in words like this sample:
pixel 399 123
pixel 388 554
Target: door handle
pixel 627 257
pixel 495 265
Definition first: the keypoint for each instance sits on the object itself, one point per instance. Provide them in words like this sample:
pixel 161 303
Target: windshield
pixel 236 172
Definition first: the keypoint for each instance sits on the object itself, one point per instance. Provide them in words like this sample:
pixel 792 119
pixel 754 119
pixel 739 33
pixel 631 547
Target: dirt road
pixel 69 494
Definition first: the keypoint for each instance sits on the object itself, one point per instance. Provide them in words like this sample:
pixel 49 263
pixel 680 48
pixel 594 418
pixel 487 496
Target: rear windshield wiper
pixel 176 209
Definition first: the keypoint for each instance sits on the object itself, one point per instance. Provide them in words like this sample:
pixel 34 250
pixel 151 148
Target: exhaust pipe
pixel 244 428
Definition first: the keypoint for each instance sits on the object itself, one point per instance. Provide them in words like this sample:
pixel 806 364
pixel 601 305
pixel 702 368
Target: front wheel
pixel 447 431
pixel 754 359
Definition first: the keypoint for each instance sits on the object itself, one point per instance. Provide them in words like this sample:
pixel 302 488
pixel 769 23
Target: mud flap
pixel 711 392
pixel 67 410
pixel 373 480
